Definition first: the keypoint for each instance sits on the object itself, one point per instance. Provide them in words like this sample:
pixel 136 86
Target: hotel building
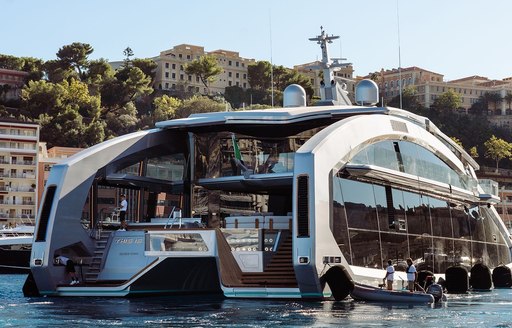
pixel 171 76
pixel 430 85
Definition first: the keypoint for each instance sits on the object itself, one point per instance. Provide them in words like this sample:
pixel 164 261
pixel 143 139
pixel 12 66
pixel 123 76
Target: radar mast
pixel 332 92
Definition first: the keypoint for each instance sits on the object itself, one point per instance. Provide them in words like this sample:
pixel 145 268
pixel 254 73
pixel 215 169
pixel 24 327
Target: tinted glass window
pixel 398 212
pixel 395 247
pixel 340 224
pixel 460 223
pixel 410 158
pixel 440 214
pixel 365 248
pixel 359 204
pixel 418 218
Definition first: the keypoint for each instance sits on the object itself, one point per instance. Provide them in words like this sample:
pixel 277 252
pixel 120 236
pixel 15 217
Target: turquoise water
pixel 486 309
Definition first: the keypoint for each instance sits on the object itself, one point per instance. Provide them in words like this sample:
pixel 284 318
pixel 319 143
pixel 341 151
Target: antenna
pixel 271 62
pixel 399 57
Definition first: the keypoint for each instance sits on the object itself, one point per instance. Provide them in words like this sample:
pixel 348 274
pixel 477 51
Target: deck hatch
pixel 302 206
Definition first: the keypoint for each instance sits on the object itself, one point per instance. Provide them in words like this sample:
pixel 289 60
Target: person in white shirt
pixel 122 212
pixel 412 275
pixel 390 275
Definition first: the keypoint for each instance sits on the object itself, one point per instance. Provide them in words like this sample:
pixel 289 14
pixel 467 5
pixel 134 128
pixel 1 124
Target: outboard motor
pixel 425 278
pixel 436 290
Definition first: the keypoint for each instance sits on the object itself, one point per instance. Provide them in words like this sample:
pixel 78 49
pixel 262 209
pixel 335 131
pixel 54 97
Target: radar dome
pixel 367 93
pixel 294 96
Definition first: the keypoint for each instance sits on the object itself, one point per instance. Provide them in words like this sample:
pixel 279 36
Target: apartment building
pixel 18 171
pixel 171 76
pixel 430 85
pixel 14 80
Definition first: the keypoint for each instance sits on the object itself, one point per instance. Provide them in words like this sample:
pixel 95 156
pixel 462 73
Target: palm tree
pixel 496 99
pixel 508 99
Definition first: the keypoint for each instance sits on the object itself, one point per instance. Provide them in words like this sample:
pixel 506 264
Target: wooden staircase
pixel 278 272
pixel 97 259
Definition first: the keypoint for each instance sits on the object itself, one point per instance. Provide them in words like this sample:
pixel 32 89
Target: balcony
pixel 17 203
pixel 17 189
pixel 18 176
pixel 29 163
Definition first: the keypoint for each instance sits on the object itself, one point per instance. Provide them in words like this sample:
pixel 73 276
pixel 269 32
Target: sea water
pixel 483 309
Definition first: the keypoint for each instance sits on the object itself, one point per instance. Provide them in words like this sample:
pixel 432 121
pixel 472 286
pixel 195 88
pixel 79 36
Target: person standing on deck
pixel 122 212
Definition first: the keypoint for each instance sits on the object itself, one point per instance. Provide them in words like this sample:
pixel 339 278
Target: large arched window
pixel 410 158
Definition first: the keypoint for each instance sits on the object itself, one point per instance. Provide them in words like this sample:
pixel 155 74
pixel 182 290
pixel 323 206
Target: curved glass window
pixel 373 223
pixel 410 158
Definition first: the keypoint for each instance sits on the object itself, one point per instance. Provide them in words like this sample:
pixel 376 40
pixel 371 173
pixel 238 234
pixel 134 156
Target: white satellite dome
pixel 294 96
pixel 367 93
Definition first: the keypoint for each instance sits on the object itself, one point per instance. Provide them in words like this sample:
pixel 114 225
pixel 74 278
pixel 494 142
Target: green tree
pixel 138 84
pixel 123 121
pixel 258 75
pixel 206 68
pixel 235 95
pixel 457 141
pixel 75 56
pixel 10 62
pixel 294 77
pixel 450 100
pixel 99 68
pixel 147 66
pixel 93 133
pixel 128 52
pixel 129 84
pixel 497 149
pixel 473 152
pixel 99 71
pixel 409 100
pixel 198 104
pixel 57 71
pixel 165 107
pixel 42 97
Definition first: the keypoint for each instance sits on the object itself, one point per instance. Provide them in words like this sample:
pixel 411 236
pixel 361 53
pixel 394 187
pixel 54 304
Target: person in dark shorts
pixel 69 267
pixel 122 212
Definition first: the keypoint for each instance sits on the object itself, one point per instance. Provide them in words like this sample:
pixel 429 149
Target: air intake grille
pixel 302 206
pixel 399 126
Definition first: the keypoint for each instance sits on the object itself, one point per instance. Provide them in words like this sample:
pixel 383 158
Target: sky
pixel 456 38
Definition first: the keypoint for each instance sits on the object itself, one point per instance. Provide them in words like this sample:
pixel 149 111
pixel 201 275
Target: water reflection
pixel 490 309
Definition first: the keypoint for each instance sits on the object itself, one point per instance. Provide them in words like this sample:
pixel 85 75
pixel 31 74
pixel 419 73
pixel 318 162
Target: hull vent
pixel 302 206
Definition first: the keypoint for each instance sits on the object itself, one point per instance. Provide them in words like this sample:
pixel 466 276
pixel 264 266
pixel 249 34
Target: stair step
pixel 276 275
